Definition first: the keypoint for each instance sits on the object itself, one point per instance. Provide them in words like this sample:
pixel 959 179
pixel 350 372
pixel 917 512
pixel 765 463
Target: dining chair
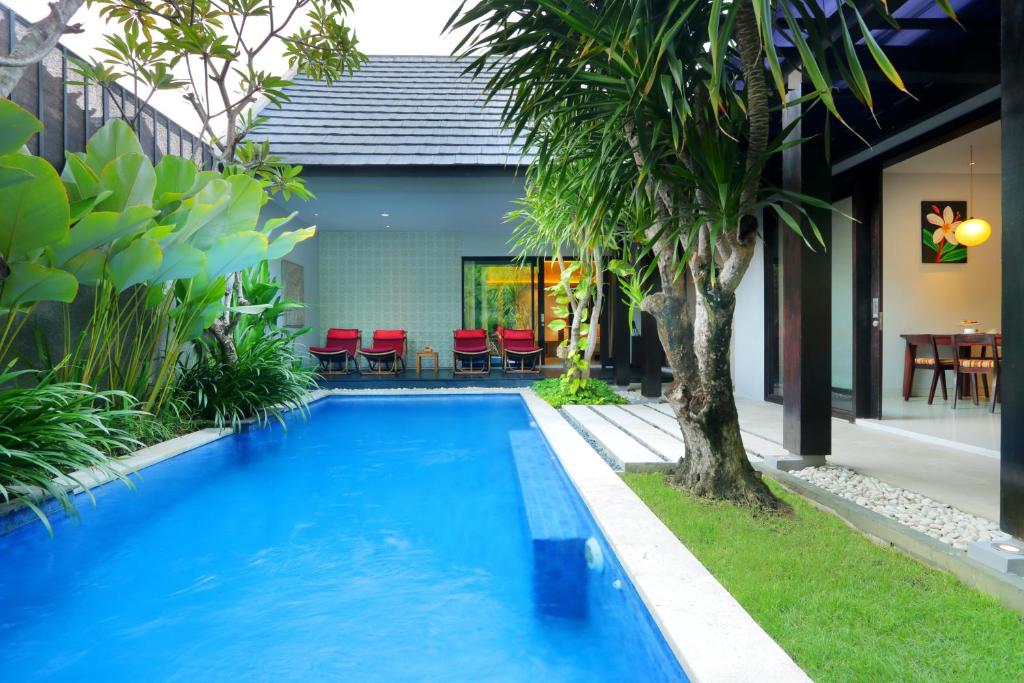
pixel 923 352
pixel 971 366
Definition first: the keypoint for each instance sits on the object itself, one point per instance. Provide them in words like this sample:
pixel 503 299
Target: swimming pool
pixel 384 539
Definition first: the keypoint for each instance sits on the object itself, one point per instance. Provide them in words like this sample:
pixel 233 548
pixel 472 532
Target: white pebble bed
pixel 939 520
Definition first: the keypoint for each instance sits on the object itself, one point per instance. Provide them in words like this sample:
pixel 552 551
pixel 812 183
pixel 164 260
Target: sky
pixel 384 27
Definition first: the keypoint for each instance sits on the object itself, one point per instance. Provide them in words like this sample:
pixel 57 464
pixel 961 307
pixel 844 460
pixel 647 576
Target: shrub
pixel 593 392
pixel 266 381
pixel 53 429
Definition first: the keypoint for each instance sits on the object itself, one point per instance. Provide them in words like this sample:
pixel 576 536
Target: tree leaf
pixel 17 127
pixel 235 252
pixel 131 181
pixel 181 261
pixel 136 264
pixel 113 140
pixel 31 282
pixel 35 213
pixel 285 242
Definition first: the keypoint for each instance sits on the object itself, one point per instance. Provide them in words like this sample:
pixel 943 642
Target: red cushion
pixel 338 333
pixel 518 335
pixel 388 334
pixel 471 334
pixel 328 349
pixel 471 348
pixel 522 346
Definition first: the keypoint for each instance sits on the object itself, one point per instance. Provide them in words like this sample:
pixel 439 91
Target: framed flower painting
pixel 939 221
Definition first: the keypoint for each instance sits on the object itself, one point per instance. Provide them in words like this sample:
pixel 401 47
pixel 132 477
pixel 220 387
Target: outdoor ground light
pixel 1009 547
pixel 973 231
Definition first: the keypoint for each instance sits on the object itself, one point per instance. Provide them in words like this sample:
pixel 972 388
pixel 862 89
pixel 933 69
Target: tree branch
pixel 42 37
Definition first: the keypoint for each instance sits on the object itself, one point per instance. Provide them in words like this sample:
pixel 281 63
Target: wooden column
pixel 806 294
pixel 620 332
pixel 1011 492
pixel 650 382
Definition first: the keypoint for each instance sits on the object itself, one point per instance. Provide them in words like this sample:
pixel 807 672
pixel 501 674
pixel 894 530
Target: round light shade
pixel 973 232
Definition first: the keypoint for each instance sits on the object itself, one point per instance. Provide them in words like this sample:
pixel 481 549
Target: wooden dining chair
pixel 970 366
pixel 922 352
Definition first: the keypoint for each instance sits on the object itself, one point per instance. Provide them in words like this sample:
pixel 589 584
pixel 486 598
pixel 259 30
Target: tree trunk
pixel 41 37
pixel 225 342
pixel 715 465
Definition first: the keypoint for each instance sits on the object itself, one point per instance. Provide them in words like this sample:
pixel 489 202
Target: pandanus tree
pixel 672 99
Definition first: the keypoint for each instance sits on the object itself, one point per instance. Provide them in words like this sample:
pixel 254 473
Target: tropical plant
pixel 671 102
pixel 266 381
pixel 595 392
pixel 212 51
pixel 52 431
pixel 155 245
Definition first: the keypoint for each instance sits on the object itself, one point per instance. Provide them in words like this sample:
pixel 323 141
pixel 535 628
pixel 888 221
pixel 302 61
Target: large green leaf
pixel 273 224
pixel 12 176
pixel 139 262
pixel 113 140
pixel 199 216
pixel 181 261
pixel 235 252
pixel 33 213
pixel 17 126
pixel 99 229
pixel 131 181
pixel 31 282
pixel 284 243
pixel 87 267
pixel 174 177
pixel 82 182
pixel 247 198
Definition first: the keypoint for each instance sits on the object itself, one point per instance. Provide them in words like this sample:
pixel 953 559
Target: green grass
pixel 595 392
pixel 843 607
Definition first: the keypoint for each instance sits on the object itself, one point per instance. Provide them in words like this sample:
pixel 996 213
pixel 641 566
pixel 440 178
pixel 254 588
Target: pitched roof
pixel 394 111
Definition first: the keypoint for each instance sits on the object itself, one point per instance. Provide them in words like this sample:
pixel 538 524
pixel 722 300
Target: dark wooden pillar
pixel 806 294
pixel 620 332
pixel 1011 493
pixel 650 382
pixel 867 293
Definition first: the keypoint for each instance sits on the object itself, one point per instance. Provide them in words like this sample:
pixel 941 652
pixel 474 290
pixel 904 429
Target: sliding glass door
pixel 499 291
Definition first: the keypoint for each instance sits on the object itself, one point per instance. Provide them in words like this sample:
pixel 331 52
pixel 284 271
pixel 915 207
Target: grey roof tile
pixel 396 110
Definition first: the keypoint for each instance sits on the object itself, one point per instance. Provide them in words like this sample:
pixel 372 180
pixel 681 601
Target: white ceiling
pixel 432 199
pixel 954 156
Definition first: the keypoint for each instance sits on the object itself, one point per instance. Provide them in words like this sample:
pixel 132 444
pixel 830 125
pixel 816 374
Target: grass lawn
pixel 844 608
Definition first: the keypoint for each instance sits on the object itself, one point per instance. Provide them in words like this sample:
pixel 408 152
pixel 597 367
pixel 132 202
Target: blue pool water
pixel 384 539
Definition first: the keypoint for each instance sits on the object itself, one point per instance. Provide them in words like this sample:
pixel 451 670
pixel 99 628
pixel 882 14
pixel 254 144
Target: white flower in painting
pixel 947 222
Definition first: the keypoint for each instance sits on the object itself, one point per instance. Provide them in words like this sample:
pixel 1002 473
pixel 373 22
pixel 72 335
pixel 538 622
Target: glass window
pixel 498 292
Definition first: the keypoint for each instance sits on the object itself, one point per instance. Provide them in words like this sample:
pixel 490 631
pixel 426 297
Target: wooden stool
pixel 427 352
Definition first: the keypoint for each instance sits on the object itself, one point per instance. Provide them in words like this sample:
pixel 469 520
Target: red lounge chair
pixel 471 349
pixel 341 347
pixel 519 353
pixel 387 355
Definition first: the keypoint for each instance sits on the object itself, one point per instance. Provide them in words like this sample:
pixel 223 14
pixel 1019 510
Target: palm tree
pixel 671 100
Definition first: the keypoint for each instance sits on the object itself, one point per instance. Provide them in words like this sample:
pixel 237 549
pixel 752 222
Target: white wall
pixel 929 297
pixel 748 331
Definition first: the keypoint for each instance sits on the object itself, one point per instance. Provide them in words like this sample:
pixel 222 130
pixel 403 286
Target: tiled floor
pixel 964 479
pixel 968 424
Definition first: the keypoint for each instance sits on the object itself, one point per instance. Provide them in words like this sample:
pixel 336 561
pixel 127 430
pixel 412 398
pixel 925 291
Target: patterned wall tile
pixel 385 280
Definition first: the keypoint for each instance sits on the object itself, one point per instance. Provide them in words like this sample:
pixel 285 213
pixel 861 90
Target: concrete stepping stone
pixel 629 454
pixel 657 418
pixel 668 447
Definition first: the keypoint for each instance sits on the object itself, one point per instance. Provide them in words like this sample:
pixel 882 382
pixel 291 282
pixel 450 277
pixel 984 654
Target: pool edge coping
pixel 714 639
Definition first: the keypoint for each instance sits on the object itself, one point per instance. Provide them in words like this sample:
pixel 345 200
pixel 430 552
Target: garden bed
pixel 843 607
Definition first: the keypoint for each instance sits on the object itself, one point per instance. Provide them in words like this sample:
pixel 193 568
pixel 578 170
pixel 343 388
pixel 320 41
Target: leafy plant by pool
pixel 53 428
pixel 555 390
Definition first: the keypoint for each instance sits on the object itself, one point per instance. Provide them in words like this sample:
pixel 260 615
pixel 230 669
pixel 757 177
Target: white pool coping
pixel 712 636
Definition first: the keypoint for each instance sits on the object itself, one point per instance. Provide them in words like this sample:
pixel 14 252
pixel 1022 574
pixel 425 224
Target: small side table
pixel 426 353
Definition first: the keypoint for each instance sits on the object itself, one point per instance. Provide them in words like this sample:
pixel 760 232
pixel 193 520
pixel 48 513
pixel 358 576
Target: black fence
pixel 72 113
